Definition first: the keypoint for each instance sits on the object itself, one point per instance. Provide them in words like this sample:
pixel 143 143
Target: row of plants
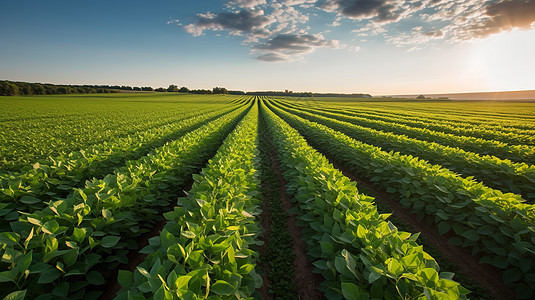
pixel 358 251
pixel 27 140
pixel 518 178
pixel 497 226
pixel 510 136
pixel 66 250
pixel 516 153
pixel 207 249
pixel 505 114
pixel 54 179
pixel 511 124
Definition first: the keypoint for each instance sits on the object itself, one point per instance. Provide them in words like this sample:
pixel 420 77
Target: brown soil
pixel 486 276
pixel 134 257
pixel 265 217
pixel 305 281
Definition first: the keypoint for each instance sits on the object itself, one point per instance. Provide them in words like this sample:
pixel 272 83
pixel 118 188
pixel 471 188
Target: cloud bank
pixel 287 30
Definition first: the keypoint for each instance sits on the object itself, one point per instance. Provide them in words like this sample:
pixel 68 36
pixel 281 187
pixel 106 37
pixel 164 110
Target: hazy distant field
pixel 174 196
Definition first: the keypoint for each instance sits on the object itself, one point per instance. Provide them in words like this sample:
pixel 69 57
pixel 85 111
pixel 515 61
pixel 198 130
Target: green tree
pixel 38 89
pixel 51 89
pixel 24 88
pixel 172 88
pixel 62 90
pixel 219 90
pixel 8 89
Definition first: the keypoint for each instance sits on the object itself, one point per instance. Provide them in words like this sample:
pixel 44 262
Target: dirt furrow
pixel 305 280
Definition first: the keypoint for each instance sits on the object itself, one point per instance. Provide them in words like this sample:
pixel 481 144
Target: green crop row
pixel 497 225
pixel 517 153
pixel 359 253
pixel 65 249
pixel 458 128
pixel 25 141
pixel 55 179
pixel 206 249
pixel 518 178
pixel 517 115
pixel 422 119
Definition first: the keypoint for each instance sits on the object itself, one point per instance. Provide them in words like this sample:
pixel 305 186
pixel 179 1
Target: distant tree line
pixel 215 90
pixel 281 93
pixel 16 88
pixel 356 95
pixel 307 94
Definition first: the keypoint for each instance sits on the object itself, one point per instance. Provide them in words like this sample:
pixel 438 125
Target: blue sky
pixel 370 46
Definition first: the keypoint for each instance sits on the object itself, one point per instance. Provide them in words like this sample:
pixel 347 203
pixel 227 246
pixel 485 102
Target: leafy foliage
pixel 50 180
pixel 518 178
pixel 206 247
pixel 67 242
pixel 517 153
pixel 359 253
pixel 497 225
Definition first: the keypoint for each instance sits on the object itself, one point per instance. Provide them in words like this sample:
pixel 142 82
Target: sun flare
pixel 505 61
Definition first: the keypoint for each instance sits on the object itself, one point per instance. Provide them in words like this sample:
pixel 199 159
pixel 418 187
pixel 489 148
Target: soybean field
pixel 181 196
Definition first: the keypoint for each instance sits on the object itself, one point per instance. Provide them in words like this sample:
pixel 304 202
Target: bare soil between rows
pixel 306 282
pixel 265 218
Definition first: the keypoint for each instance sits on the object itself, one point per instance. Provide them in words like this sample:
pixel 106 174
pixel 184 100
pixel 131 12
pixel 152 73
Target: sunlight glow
pixel 505 61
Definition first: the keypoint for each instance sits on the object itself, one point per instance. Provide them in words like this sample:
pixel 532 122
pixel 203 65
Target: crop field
pixel 181 196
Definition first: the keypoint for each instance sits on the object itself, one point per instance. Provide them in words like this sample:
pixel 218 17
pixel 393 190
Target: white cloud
pixel 264 23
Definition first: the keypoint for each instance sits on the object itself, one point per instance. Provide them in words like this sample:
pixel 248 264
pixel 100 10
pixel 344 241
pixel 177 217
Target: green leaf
pixel 471 235
pixel 5 276
pixel 95 278
pixel 443 227
pixel 61 290
pixel 48 276
pixel 391 190
pixel 373 276
pixel 143 272
pixel 182 282
pixel 29 200
pixel 106 213
pixel 163 294
pixel 18 295
pixel 350 291
pixel 327 248
pixel 512 275
pixel 110 241
pixel 361 232
pixel 428 277
pixel 188 234
pixel 222 288
pixel 34 221
pixel 351 264
pixel 441 188
pixel 79 234
pixel 9 238
pixel 246 269
pixel 394 267
pixel 50 227
pixel 125 278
